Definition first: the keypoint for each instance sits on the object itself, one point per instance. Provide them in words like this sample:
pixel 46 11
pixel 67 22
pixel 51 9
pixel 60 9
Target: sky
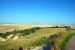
pixel 37 11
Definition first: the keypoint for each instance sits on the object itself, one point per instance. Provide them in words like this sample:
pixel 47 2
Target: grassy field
pixel 38 38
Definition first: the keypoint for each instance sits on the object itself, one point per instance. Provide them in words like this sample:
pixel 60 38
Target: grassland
pixel 37 38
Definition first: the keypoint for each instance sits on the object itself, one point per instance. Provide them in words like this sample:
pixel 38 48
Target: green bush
pixel 5 34
pixel 37 28
pixel 22 32
pixel 33 30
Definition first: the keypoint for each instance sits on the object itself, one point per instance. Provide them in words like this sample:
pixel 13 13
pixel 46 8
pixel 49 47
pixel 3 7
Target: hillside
pixel 28 40
pixel 34 36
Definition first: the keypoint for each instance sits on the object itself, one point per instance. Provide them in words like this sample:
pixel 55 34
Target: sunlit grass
pixel 38 38
pixel 66 39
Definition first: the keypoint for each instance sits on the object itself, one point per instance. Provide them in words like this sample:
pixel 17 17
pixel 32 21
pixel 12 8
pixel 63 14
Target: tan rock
pixel 16 37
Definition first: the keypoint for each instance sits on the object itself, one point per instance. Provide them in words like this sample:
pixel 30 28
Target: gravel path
pixel 71 44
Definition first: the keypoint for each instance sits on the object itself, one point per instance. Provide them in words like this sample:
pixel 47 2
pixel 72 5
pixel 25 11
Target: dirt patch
pixel 71 44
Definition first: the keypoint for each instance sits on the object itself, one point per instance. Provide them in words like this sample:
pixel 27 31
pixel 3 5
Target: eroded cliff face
pixel 10 27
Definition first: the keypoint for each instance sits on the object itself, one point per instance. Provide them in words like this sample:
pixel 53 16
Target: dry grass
pixel 26 41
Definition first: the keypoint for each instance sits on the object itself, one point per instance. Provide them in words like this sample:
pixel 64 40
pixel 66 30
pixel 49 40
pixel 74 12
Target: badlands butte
pixel 9 27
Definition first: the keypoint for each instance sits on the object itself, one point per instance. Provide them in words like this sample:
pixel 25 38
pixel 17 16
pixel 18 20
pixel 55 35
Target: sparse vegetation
pixel 36 37
pixel 66 39
pixel 22 32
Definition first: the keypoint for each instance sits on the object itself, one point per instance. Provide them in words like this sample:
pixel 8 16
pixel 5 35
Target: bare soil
pixel 71 44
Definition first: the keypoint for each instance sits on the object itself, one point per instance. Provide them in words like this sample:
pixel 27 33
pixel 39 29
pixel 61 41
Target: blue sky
pixel 37 11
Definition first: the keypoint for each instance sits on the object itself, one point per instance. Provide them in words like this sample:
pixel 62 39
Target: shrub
pixel 6 34
pixel 33 30
pixel 1 34
pixel 29 31
pixel 14 32
pixel 37 28
pixel 23 32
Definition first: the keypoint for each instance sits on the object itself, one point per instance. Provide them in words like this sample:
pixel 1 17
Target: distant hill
pixel 10 27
